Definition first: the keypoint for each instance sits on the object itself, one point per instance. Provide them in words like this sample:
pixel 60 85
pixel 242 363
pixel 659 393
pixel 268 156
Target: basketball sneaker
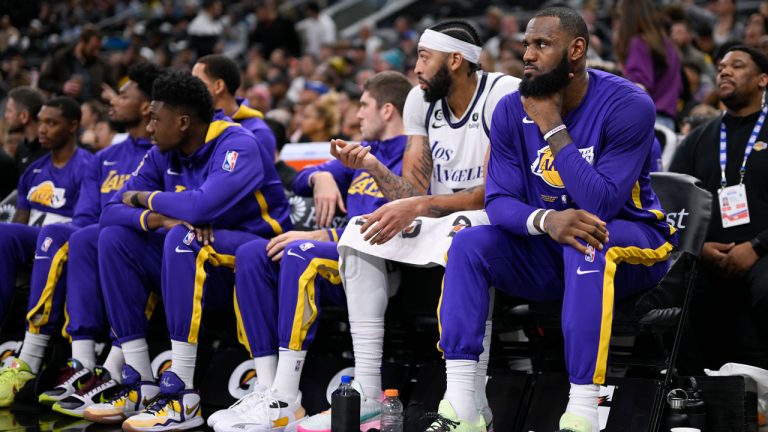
pixel 133 398
pixel 99 388
pixel 71 379
pixel 173 409
pixel 246 403
pixel 13 379
pixel 448 421
pixel 272 413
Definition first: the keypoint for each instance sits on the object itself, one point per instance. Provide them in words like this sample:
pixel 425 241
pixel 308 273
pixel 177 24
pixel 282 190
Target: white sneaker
pixel 244 404
pixel 271 413
pixel 173 409
pixel 370 415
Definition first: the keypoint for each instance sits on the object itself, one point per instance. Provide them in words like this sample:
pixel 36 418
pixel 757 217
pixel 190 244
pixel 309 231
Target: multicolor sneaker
pixel 173 409
pixel 72 378
pixel 570 422
pixel 12 379
pixel 272 413
pixel 370 415
pixel 133 398
pixel 99 388
pixel 246 403
pixel 448 421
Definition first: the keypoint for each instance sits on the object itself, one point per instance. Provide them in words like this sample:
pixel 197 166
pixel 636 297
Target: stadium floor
pixel 45 420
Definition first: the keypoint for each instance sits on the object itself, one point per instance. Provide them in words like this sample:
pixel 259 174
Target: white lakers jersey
pixel 458 145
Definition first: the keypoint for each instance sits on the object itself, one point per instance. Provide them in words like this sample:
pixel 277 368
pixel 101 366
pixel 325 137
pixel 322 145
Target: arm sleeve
pixel 603 189
pixel 147 177
pixel 415 112
pixel 22 190
pixel 88 203
pixel 505 184
pixel 222 189
pixel 638 67
pixel 341 174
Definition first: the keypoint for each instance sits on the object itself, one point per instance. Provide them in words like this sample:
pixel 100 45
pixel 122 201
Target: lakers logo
pixel 364 184
pixel 47 194
pixel 114 182
pixel 544 165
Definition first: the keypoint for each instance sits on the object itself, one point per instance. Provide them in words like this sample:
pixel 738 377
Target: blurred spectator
pixel 317 29
pixel 92 113
pixel 9 35
pixel 493 18
pixel 699 115
pixel 268 24
pixel 350 122
pixel 599 33
pixel 366 35
pixel 78 71
pixel 205 30
pixel 755 29
pixel 682 37
pixel 104 133
pixel 648 57
pixel 727 26
pixel 259 97
pixel 302 72
pixel 509 28
pixel 21 111
pixel 11 144
pixel 320 120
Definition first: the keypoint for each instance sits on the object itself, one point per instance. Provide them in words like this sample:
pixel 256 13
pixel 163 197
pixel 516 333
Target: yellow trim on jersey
pixel 66 323
pixel 659 214
pixel 334 235
pixel 46 297
pixel 206 255
pixel 242 337
pixel 216 128
pixel 143 219
pixel 326 268
pixel 149 200
pixel 636 195
pixel 265 213
pixel 614 256
pixel 152 301
pixel 440 304
pixel 246 112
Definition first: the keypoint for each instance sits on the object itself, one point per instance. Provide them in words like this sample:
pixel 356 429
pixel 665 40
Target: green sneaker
pixel 573 423
pixel 448 421
pixel 12 379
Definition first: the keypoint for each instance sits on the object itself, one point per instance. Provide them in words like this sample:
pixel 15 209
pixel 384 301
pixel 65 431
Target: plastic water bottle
pixel 391 412
pixel 345 407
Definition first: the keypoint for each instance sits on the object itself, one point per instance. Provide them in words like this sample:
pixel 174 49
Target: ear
pixel 577 50
pixel 218 86
pixel 25 117
pixel 454 61
pixel 184 122
pixel 388 110
pixel 762 81
pixel 144 109
pixel 74 125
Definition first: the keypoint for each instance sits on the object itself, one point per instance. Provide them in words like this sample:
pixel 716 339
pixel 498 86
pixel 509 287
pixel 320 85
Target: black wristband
pixel 135 200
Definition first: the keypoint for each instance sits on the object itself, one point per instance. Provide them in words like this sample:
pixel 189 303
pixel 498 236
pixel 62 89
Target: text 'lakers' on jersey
pixel 458 145
pixel 604 171
pixel 50 193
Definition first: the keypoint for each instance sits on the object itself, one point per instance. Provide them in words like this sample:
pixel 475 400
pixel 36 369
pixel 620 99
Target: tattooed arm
pixel 417 171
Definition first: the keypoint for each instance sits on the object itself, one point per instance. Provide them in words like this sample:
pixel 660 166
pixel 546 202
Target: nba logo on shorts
pixel 230 159
pixel 189 238
pixel 590 255
pixel 46 244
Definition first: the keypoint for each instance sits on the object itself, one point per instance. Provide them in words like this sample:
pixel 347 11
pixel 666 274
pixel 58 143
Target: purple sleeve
pixel 88 203
pixel 638 66
pixel 341 174
pixel 504 187
pixel 267 139
pixel 222 189
pixel 603 189
pixel 22 190
pixel 148 176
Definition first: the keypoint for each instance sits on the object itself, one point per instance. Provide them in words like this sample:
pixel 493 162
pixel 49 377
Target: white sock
pixel 460 388
pixel 114 363
pixel 183 358
pixel 583 402
pixel 368 346
pixel 481 400
pixel 84 351
pixel 33 350
pixel 136 353
pixel 289 367
pixel 266 368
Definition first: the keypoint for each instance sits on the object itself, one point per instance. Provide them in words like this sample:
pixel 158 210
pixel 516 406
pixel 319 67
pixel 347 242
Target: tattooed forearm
pixel 422 168
pixel 467 199
pixel 394 187
pixel 417 172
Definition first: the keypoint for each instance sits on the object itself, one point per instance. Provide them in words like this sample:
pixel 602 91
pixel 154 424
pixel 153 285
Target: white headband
pixel 437 41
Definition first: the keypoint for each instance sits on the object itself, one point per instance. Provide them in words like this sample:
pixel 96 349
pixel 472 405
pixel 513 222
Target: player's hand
pixel 568 225
pixel 739 260
pixel 327 196
pixel 389 219
pixel 713 254
pixel 169 222
pixel 353 155
pixel 204 234
pixel 135 198
pixel 544 110
pixel 278 243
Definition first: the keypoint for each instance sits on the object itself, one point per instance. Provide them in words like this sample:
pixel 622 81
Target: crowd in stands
pixel 306 80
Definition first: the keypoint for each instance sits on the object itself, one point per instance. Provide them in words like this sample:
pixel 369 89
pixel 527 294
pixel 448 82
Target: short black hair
pixel 760 59
pixel 69 107
pixel 570 20
pixel 463 31
pixel 180 89
pixel 218 66
pixel 144 75
pixel 28 99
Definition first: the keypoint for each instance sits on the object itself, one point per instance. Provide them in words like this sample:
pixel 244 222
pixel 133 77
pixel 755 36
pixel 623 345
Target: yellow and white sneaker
pixel 173 409
pixel 268 413
pixel 133 398
pixel 570 422
pixel 12 379
pixel 448 421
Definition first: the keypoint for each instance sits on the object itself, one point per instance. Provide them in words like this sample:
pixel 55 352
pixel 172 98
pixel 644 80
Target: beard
pixel 547 83
pixel 437 87
pixel 127 123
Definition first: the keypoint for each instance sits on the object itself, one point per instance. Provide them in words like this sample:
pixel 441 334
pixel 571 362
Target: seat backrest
pixel 669 144
pixel 687 205
pixel 8 207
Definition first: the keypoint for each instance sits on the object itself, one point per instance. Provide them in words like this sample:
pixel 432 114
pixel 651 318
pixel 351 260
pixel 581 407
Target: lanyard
pixel 747 151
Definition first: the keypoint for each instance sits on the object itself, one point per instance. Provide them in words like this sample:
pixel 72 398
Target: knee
pixel 114 237
pixel 298 253
pixel 178 235
pixel 84 236
pixel 470 245
pixel 252 253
